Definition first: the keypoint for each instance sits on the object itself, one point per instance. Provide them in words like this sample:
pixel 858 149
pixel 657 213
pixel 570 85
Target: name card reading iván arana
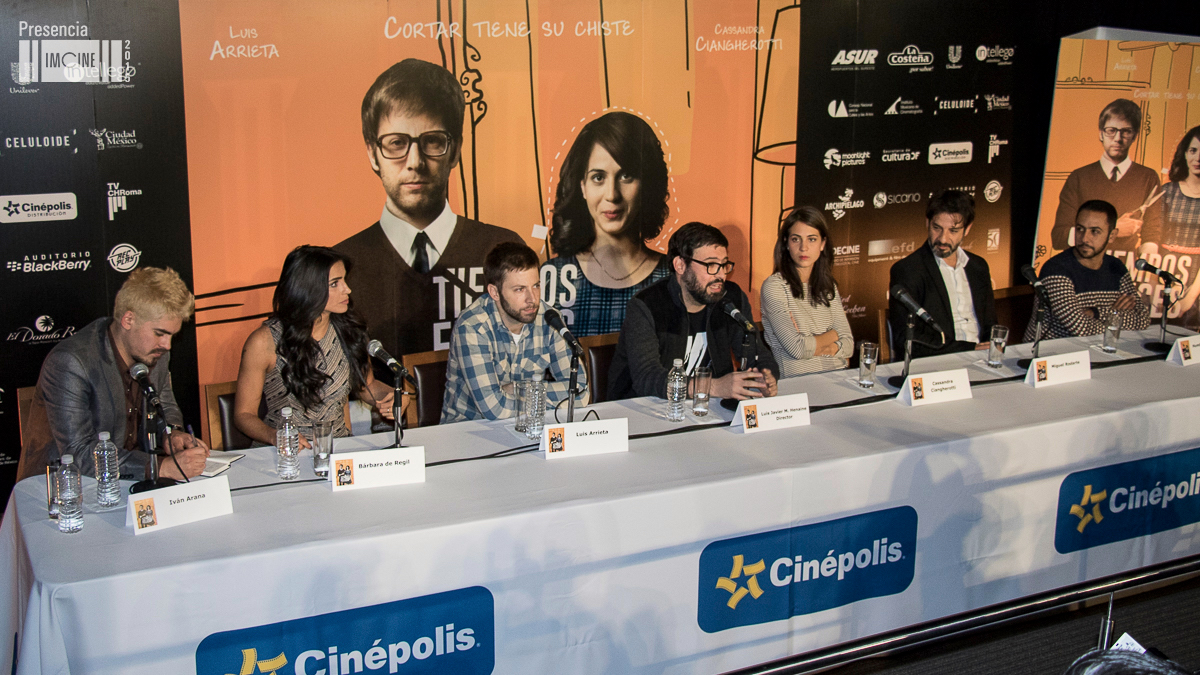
pixel 780 412
pixel 939 387
pixel 377 468
pixel 178 505
pixel 585 438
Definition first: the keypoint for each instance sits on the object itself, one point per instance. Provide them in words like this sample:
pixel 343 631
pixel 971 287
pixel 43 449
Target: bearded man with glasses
pixel 681 317
pixel 1116 179
pixel 417 267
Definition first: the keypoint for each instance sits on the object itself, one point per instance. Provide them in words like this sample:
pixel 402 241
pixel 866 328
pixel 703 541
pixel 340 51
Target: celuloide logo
pixel 801 570
pixel 1128 500
pixel 445 632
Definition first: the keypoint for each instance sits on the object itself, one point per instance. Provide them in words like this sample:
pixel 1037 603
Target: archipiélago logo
pixel 452 632
pixel 1123 501
pixel 801 570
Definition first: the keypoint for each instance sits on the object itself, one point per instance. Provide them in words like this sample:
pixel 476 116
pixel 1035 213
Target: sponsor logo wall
pixel 81 205
pixel 905 112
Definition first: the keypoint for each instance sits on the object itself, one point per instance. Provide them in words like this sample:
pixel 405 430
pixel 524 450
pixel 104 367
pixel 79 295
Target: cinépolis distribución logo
pixel 1123 501
pixel 801 570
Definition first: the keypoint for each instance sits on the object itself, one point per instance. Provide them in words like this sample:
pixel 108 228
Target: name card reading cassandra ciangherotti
pixel 178 505
pixel 761 414
pixel 1059 369
pixel 585 438
pixel 939 387
pixel 1185 351
pixel 377 468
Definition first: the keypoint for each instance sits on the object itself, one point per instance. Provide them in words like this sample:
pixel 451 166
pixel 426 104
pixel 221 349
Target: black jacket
pixel 919 273
pixel 655 334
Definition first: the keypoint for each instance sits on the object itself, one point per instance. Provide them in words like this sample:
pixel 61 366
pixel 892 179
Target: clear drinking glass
pixel 522 416
pixel 701 385
pixel 999 341
pixel 1112 331
pixel 868 356
pixel 322 446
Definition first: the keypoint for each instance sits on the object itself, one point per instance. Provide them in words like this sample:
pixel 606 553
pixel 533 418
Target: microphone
pixel 555 320
pixel 375 348
pixel 141 373
pixel 1166 276
pixel 900 293
pixel 736 314
pixel 1031 277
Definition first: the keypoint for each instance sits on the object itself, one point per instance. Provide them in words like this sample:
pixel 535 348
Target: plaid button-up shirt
pixel 484 356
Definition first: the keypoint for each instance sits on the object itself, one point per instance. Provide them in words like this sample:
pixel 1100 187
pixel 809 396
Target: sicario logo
pixel 440 633
pixel 801 570
pixel 1128 500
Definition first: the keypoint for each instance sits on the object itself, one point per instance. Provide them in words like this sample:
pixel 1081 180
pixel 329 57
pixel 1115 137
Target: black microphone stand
pixel 749 359
pixel 149 437
pixel 397 406
pixel 574 382
pixel 1162 346
pixel 1038 317
pixel 898 380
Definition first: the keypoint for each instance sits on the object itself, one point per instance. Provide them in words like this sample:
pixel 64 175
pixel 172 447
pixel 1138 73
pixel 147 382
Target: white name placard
pixel 939 387
pixel 1059 369
pixel 780 412
pixel 1185 351
pixel 585 438
pixel 377 468
pixel 178 505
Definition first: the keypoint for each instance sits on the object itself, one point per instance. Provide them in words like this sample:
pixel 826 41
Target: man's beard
pixel 513 314
pixel 700 293
pixel 939 254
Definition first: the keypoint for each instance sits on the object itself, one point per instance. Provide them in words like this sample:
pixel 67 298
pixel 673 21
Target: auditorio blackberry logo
pixel 1128 500
pixel 450 632
pixel 801 570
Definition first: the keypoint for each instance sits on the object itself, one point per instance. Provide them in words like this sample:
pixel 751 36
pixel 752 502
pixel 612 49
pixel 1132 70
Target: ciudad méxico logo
pixel 776 575
pixel 451 632
pixel 1128 500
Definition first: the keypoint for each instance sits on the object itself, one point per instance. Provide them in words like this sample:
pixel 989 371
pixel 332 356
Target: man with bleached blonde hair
pixel 85 386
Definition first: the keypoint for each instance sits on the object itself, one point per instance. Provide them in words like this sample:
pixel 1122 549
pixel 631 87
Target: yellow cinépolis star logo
pixel 1080 510
pixel 267 666
pixel 729 584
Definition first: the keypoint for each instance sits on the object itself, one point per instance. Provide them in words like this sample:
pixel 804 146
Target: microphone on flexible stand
pixel 736 314
pixel 1043 303
pixel 749 345
pixel 914 310
pixel 554 319
pixel 1169 279
pixel 152 416
pixel 1166 276
pixel 375 349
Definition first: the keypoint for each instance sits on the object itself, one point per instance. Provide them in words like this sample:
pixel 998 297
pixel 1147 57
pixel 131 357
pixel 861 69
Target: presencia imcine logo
pixel 1128 500
pixel 775 575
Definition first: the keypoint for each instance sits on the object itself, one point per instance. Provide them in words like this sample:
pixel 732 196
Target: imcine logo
pixel 1128 500
pixel 440 633
pixel 775 575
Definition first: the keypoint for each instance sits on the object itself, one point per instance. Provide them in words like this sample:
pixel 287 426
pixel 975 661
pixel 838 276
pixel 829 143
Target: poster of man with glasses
pixel 416 268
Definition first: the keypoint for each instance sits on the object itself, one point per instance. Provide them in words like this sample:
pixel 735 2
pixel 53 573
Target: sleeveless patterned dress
pixel 333 395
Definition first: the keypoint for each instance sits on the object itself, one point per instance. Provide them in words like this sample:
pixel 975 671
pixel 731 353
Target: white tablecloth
pixel 593 565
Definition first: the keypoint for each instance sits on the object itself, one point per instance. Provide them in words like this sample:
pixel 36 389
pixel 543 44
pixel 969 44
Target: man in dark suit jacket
pixel 85 387
pixel 420 265
pixel 954 287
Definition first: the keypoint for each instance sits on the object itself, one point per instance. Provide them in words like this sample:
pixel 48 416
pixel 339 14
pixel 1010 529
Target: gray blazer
pixel 79 394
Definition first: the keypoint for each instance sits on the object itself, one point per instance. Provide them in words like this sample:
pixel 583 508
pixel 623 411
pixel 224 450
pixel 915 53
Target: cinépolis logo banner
pixel 801 570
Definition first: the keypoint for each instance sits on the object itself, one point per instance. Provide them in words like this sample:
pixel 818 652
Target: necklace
pixel 609 274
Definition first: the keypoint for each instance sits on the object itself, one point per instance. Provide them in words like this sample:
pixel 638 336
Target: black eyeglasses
pixel 431 143
pixel 713 267
pixel 1111 132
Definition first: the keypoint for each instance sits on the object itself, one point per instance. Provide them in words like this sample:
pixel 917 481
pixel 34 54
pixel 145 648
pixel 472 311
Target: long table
pixel 627 562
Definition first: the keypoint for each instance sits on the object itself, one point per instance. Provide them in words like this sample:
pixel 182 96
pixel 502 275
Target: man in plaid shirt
pixel 502 338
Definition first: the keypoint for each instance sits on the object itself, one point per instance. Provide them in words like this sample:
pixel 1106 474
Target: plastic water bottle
pixel 676 392
pixel 287 441
pixel 535 410
pixel 108 471
pixel 70 497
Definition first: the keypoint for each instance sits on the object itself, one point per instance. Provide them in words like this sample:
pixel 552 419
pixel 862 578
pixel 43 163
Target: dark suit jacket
pixel 919 273
pixel 79 394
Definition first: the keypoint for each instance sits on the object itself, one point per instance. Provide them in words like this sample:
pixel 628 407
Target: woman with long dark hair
pixel 310 354
pixel 1181 223
pixel 611 198
pixel 802 312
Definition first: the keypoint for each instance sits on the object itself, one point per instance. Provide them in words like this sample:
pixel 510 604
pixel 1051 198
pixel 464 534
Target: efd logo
pixel 1124 501
pixel 802 570
pixel 444 632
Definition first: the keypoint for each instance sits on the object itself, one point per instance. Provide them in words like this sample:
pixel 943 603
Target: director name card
pixel 585 438
pixel 939 387
pixel 377 468
pixel 1059 369
pixel 178 505
pixel 1185 351
pixel 780 412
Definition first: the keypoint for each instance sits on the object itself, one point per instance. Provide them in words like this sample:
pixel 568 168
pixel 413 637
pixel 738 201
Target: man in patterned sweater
pixel 1084 283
